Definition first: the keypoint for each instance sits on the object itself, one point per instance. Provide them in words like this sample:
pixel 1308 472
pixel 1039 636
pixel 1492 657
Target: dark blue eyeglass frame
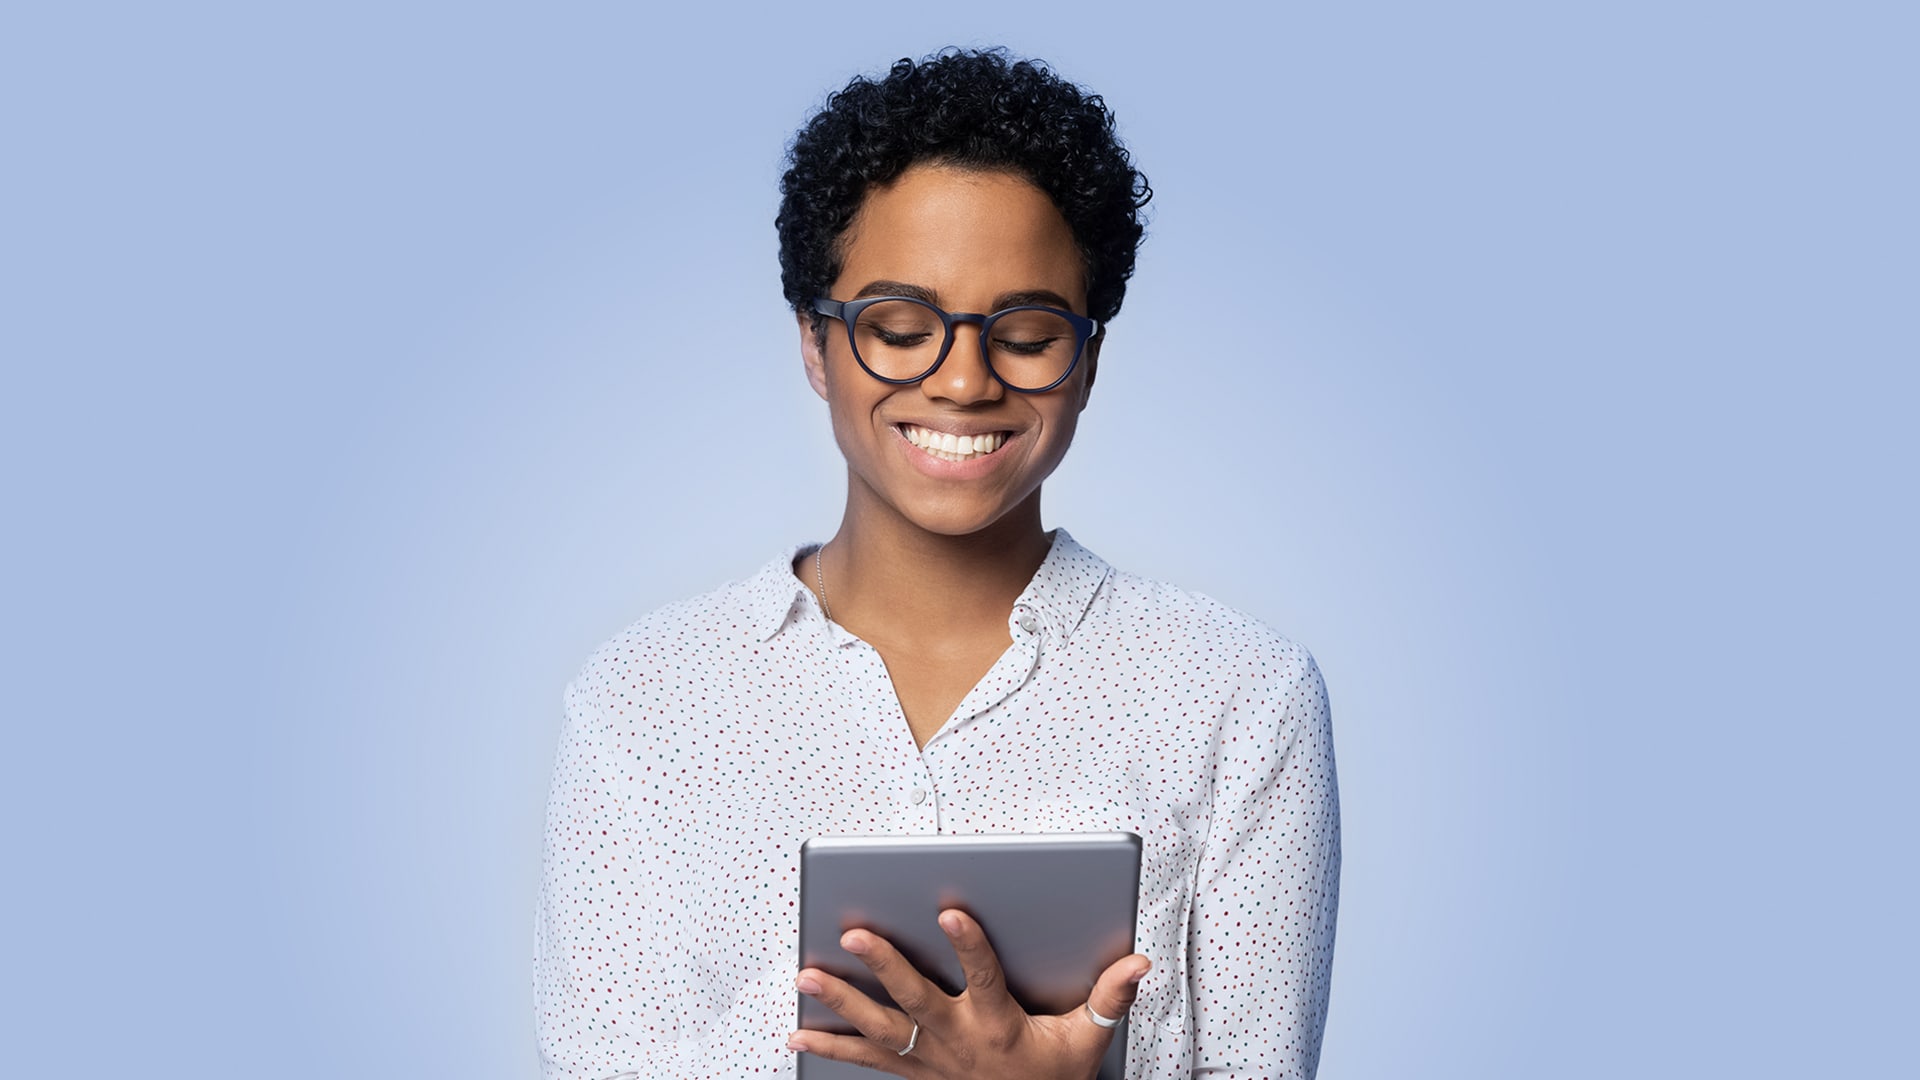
pixel 848 312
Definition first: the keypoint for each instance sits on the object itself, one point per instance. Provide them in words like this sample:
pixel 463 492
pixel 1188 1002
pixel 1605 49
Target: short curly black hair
pixel 975 109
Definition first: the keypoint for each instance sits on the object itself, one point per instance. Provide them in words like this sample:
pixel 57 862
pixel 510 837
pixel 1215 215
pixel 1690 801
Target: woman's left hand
pixel 982 1031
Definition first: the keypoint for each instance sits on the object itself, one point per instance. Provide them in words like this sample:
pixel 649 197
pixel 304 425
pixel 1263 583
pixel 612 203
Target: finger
pixel 888 1027
pixel 1114 991
pixel 916 996
pixel 856 1050
pixel 986 982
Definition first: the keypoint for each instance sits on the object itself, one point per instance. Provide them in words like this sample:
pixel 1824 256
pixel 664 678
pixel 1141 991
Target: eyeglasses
pixel 897 339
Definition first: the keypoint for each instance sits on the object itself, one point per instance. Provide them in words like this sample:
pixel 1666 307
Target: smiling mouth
pixel 947 446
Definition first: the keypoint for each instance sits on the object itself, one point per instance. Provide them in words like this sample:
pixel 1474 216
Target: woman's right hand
pixel 982 1031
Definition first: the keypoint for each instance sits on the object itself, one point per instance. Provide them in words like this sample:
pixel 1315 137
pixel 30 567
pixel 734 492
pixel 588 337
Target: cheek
pixel 1058 428
pixel 844 421
pixel 850 403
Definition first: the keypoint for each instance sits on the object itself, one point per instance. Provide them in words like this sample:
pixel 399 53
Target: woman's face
pixel 966 241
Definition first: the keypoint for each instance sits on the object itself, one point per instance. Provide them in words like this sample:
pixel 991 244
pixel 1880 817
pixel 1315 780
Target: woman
pixel 954 239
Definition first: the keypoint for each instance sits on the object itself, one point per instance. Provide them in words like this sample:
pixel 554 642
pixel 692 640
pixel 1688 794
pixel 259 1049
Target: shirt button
pixel 1029 623
pixel 919 796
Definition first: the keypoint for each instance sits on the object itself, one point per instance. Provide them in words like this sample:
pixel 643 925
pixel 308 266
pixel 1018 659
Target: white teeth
pixel 947 446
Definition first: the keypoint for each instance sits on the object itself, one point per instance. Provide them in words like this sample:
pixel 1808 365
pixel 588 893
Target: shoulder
pixel 690 639
pixel 1163 611
pixel 1199 633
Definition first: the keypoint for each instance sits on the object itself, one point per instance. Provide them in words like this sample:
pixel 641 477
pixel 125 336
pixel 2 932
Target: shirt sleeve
pixel 599 971
pixel 1268 885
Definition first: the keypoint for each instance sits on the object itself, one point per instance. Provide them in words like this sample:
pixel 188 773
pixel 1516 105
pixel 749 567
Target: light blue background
pixel 1546 369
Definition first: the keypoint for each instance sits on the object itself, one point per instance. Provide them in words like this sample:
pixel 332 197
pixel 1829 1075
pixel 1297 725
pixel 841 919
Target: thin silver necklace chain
pixel 820 576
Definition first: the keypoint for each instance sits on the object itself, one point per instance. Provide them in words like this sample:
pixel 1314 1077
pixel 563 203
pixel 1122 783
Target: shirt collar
pixel 775 595
pixel 1062 589
pixel 1057 597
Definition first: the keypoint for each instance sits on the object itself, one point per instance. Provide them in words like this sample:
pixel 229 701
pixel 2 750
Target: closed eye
pixel 1025 348
pixel 905 340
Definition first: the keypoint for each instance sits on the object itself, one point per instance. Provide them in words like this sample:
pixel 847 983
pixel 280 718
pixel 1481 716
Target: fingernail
pixel 1141 974
pixel 853 943
pixel 950 923
pixel 807 984
pixel 794 1043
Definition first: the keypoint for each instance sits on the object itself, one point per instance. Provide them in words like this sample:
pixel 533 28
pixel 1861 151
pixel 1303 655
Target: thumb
pixel 1115 989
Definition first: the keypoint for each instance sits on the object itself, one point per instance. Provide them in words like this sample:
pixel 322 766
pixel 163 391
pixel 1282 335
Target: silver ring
pixel 1101 1020
pixel 912 1039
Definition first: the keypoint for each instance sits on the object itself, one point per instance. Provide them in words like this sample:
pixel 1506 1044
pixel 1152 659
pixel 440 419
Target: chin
pixel 959 518
pixel 955 524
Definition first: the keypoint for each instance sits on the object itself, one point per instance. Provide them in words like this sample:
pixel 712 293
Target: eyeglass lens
pixel 901 339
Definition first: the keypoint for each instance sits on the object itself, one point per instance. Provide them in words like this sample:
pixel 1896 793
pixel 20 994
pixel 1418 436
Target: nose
pixel 964 378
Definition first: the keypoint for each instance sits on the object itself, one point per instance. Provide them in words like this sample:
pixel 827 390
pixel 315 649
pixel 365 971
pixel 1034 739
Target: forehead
pixel 966 235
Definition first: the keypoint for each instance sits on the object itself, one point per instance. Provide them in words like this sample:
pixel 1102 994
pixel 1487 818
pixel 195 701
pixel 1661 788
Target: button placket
pixel 919 809
pixel 921 806
pixel 922 798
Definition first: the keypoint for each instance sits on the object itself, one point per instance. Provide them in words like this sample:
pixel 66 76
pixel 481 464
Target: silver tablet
pixel 1058 909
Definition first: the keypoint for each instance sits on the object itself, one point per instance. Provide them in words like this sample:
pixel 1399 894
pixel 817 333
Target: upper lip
pixel 956 427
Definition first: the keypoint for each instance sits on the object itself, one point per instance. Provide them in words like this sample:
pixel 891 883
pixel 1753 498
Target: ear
pixel 812 354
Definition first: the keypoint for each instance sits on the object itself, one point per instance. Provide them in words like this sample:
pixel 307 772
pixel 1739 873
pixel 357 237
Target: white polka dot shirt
pixel 706 742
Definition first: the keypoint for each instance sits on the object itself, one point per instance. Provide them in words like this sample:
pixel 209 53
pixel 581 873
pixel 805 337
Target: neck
pixel 887 579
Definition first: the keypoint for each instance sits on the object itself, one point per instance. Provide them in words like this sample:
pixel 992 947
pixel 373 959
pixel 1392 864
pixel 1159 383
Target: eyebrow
pixel 1036 297
pixel 1019 298
pixel 898 288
